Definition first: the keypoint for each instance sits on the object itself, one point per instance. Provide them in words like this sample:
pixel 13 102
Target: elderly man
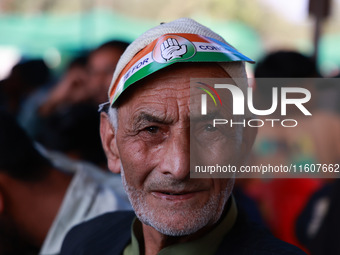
pixel 146 137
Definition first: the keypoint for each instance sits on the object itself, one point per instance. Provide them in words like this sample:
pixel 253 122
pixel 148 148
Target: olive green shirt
pixel 208 244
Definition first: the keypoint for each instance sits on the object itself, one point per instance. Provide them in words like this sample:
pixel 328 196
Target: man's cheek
pixel 133 150
pixel 136 166
pixel 218 153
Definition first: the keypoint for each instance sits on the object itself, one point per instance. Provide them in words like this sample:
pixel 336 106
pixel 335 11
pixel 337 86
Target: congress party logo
pixel 172 48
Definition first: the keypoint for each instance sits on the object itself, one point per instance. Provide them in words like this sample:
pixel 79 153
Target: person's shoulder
pixel 254 239
pixel 101 235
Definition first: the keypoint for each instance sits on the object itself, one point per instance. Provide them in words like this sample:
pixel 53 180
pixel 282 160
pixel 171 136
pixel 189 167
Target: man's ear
pixel 108 137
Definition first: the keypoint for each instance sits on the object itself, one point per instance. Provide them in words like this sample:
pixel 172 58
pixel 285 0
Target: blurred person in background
pixel 64 132
pixel 69 90
pixel 24 91
pixel 70 111
pixel 330 94
pixel 86 83
pixel 317 226
pixel 25 78
pixel 41 199
pixel 102 63
pixel 316 139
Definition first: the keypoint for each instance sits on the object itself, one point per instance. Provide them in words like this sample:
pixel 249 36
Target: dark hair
pixel 33 73
pixel 114 44
pixel 282 64
pixel 74 130
pixel 78 61
pixel 18 156
pixel 286 64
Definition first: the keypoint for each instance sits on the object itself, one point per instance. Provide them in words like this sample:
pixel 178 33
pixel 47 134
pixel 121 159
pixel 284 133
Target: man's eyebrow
pixel 144 117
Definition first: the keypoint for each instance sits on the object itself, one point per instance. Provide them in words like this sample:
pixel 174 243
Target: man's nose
pixel 176 155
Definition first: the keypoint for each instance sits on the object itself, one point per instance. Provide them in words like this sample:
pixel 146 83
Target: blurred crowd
pixel 53 171
pixel 289 206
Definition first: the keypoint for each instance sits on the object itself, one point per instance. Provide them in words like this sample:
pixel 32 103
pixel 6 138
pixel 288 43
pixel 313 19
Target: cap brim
pixel 170 49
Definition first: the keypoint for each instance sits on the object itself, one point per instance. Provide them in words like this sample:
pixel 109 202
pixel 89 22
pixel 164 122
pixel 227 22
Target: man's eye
pixel 210 128
pixel 152 129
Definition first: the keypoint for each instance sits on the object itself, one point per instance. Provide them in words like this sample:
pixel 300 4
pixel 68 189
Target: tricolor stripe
pixel 154 57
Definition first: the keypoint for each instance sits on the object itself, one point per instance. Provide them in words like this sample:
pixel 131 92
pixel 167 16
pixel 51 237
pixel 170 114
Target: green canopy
pixel 36 35
pixel 329 52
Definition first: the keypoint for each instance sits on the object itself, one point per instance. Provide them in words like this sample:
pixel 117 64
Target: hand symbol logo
pixel 171 49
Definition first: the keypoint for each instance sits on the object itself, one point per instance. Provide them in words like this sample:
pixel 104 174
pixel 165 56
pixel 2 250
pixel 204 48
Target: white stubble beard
pixel 210 213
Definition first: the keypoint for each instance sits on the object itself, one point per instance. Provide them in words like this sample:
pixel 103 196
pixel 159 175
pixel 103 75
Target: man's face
pixel 152 143
pixel 102 64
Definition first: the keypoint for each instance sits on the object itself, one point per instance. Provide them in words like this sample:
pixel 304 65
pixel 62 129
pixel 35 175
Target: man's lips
pixel 174 195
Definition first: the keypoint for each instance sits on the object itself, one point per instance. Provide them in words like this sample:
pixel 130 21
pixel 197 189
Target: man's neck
pixel 155 241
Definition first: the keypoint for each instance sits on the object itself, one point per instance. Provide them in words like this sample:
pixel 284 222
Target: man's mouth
pixel 173 195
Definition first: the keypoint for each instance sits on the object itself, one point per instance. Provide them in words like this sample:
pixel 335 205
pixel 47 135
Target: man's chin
pixel 176 226
pixel 178 215
pixel 180 220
